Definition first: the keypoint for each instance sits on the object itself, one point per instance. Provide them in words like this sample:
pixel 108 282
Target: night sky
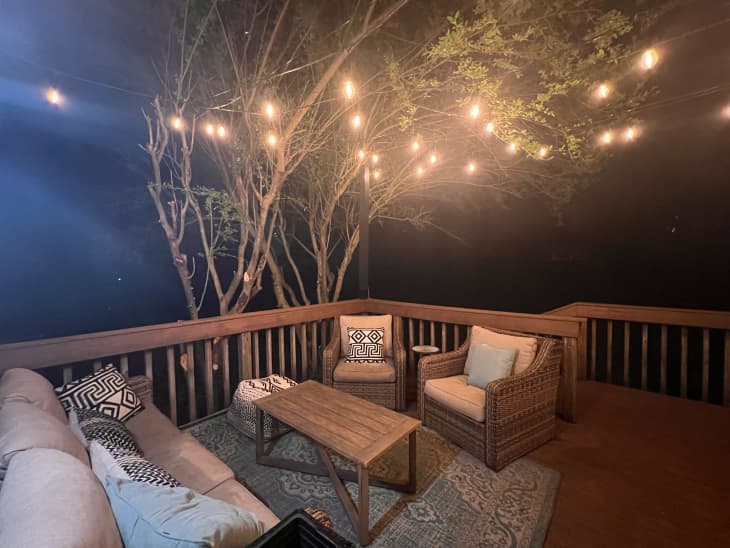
pixel 82 250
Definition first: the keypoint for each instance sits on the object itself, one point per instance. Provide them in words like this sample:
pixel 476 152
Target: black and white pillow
pixel 109 432
pixel 365 344
pixel 105 390
pixel 120 463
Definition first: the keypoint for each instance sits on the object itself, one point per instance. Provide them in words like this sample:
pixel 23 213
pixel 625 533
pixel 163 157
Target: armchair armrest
pixel 331 354
pixel 436 366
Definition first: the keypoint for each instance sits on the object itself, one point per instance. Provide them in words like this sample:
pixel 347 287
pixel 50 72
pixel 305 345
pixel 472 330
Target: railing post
pixel 568 379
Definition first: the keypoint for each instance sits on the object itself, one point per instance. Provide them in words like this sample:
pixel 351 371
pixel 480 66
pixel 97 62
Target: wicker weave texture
pixel 520 409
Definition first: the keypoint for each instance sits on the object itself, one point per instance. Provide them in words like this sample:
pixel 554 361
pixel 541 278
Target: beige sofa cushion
pixel 26 385
pixel 190 463
pixel 456 394
pixel 151 429
pixel 234 493
pixel 25 426
pixel 385 321
pixel 526 347
pixel 49 498
pixel 375 372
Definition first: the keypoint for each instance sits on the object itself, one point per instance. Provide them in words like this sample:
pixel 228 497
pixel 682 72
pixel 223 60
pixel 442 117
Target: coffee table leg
pixel 259 434
pixel 364 506
pixel 412 462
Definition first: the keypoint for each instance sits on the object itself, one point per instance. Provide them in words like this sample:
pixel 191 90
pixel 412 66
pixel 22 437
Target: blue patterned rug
pixel 459 501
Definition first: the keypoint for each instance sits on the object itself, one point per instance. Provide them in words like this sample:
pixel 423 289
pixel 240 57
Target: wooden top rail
pixel 685 317
pixel 561 326
pixel 63 350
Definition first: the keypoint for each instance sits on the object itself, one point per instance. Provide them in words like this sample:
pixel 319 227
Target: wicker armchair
pixel 388 394
pixel 519 413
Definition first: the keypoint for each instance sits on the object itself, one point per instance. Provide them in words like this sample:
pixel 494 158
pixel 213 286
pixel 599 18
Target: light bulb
pixel 221 132
pixel 356 121
pixel 607 137
pixel 415 146
pixel 543 152
pixel 361 154
pixel 53 96
pixel 176 122
pixel 630 134
pixel 603 91
pixel 419 171
pixel 349 89
pixel 375 158
pixel 474 111
pixel 490 127
pixel 376 174
pixel 513 147
pixel 269 110
pixel 210 129
pixel 471 167
pixel 649 59
pixel 271 139
pixel 433 159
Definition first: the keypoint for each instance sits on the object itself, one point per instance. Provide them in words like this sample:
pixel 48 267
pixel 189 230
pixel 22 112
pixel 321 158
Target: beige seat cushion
pixel 190 463
pixel 49 498
pixel 151 429
pixel 28 386
pixel 456 394
pixel 233 492
pixel 526 347
pixel 375 372
pixel 25 426
pixel 385 321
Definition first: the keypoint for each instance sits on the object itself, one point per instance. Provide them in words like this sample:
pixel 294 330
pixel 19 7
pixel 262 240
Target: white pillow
pixel 368 322
pixel 526 347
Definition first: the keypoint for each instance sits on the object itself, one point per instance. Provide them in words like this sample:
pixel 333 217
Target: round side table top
pixel 426 349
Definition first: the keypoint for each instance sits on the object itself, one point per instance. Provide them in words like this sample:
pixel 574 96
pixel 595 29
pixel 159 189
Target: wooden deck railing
pixel 681 352
pixel 202 361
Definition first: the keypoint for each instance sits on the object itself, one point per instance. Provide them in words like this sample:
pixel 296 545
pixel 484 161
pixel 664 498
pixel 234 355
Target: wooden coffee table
pixel 357 429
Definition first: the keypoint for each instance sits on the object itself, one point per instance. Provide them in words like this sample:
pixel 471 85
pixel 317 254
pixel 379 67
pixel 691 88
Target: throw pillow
pixel 163 517
pixel 91 424
pixel 367 322
pixel 117 462
pixel 25 385
pixel 106 390
pixel 526 347
pixel 365 344
pixel 489 364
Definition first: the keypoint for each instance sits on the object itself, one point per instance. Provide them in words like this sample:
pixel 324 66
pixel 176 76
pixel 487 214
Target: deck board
pixel 640 469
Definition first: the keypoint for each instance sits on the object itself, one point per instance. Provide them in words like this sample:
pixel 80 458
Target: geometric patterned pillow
pixel 98 426
pixel 133 465
pixel 105 390
pixel 365 344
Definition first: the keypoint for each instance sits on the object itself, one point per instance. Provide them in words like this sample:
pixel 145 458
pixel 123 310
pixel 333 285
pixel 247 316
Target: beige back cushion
pixel 385 321
pixel 49 498
pixel 28 386
pixel 526 347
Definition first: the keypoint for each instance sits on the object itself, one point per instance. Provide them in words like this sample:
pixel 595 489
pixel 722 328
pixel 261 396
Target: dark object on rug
pixel 319 515
pixel 300 529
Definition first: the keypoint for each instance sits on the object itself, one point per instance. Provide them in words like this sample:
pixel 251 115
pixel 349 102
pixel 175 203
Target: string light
pixel 269 110
pixel 603 91
pixel 376 174
pixel 607 137
pixel 474 111
pixel 419 171
pixel 361 154
pixel 433 159
pixel 210 129
pixel 415 146
pixel 271 139
pixel 375 158
pixel 349 89
pixel 53 96
pixel 512 147
pixel 489 128
pixel 542 152
pixel 221 132
pixel 649 59
pixel 630 134
pixel 176 122
pixel 471 167
pixel 356 121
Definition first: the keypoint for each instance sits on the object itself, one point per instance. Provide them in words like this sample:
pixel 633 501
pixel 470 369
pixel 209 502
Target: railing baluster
pixel 269 351
pixel 293 351
pixel 256 365
pixel 421 335
pixel 305 353
pixel 209 401
pixel 683 365
pixel 124 365
pixel 644 343
pixel 97 365
pixel 443 337
pixel 226 359
pixel 663 362
pixel 171 387
pixel 314 362
pixel 68 374
pixel 627 343
pixel 705 363
pixel 190 380
pixel 726 370
pixel 282 356
pixel 148 365
pixel 456 336
pixel 432 333
pixel 609 352
pixel 411 343
pixel 594 345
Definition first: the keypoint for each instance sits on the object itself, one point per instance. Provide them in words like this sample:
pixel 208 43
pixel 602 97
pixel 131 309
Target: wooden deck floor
pixel 640 469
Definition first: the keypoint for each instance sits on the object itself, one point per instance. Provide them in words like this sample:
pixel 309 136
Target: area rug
pixel 459 501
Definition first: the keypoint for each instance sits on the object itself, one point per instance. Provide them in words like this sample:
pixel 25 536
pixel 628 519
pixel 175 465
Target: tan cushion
pixel 190 463
pixel 233 492
pixel 26 385
pixel 526 347
pixel 385 321
pixel 49 498
pixel 151 429
pixel 375 372
pixel 25 426
pixel 456 394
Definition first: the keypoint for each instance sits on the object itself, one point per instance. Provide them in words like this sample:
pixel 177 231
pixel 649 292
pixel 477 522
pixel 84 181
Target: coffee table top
pixel 357 429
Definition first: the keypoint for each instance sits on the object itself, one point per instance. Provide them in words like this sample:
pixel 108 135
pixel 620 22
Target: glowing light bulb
pixel 471 167
pixel 269 110
pixel 361 154
pixel 512 147
pixel 542 152
pixel 649 59
pixel 221 132
pixel 489 128
pixel 356 121
pixel 376 174
pixel 630 134
pixel 210 129
pixel 603 91
pixel 415 146
pixel 375 158
pixel 433 159
pixel 176 122
pixel 607 137
pixel 474 111
pixel 53 96
pixel 271 139
pixel 419 171
pixel 349 89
